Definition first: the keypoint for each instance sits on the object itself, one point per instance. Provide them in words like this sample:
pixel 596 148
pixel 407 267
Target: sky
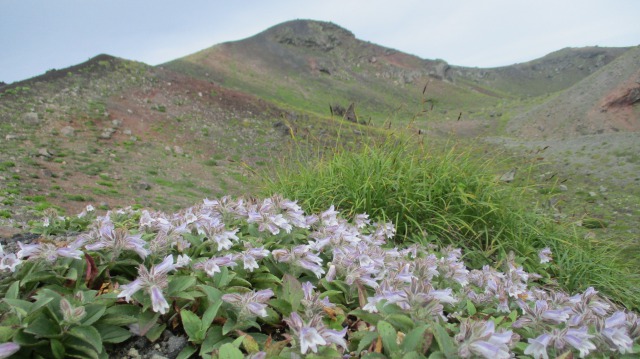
pixel 39 35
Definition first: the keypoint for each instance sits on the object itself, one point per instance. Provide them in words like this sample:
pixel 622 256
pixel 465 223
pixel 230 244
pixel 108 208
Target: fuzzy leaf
pixel 229 351
pixel 471 309
pixel 401 322
pixel 214 298
pixel 445 342
pixel 113 334
pixel 187 352
pixel 44 327
pixel 388 335
pixel 179 284
pixel 414 339
pixel 94 313
pixel 250 344
pixel 192 326
pixel 213 340
pixel 366 341
pixel 57 349
pixel 89 335
pixel 13 291
pixel 292 291
pixel 154 333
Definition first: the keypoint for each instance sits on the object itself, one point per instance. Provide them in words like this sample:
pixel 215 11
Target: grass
pixel 449 197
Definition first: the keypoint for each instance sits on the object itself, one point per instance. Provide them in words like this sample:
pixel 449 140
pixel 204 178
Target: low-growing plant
pixel 446 197
pixel 260 278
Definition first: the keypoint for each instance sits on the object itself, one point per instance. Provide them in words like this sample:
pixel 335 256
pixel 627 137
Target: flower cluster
pixel 259 237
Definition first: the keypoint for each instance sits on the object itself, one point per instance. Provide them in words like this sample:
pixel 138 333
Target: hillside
pixel 606 101
pixel 311 65
pixel 113 132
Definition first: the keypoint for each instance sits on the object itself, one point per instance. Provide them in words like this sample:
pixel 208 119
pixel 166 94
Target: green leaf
pixel 445 342
pixel 281 306
pixel 412 355
pixel 94 313
pixel 228 326
pixel 401 322
pixel 214 298
pixel 113 334
pixel 155 332
pixel 6 333
pixel 292 291
pixel 213 340
pixel 21 307
pixel 250 344
pixel 57 349
pixel 180 283
pixel 72 274
pixel 44 327
pixel 388 335
pixel 78 348
pixel 42 276
pixel 229 351
pixel 414 339
pixel 187 352
pixel 471 309
pixel 374 356
pixel 192 326
pixel 13 291
pixel 89 335
pixel 366 341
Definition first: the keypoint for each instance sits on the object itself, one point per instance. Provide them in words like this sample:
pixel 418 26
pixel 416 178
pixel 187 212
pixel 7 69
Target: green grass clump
pixel 449 197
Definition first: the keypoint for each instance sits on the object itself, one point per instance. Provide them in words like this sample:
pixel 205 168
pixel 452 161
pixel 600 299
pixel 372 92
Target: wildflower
pixel 118 240
pixel 615 333
pixel 537 347
pixel 215 230
pixel 312 302
pixel 266 219
pixel 250 257
pixel 251 304
pixel 302 257
pixel 480 339
pixel 545 255
pixel 71 314
pixel 362 220
pixel 48 251
pixel 314 333
pixel 8 260
pixel 8 349
pixel 577 338
pixel 212 266
pixel 153 282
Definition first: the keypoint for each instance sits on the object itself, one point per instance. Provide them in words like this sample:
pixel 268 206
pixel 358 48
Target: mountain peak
pixel 309 33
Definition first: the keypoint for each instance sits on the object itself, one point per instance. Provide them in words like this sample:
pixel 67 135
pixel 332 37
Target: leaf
pixel 154 333
pixel 192 326
pixel 292 291
pixel 13 291
pixel 89 335
pixel 21 307
pixel 78 348
pixel 213 340
pixel 229 351
pixel 250 344
pixel 414 339
pixel 44 327
pixel 366 341
pixel 57 349
pixel 187 352
pixel 92 270
pixel 228 326
pixel 281 305
pixel 94 313
pixel 214 298
pixel 42 276
pixel 146 321
pixel 113 334
pixel 471 309
pixel 401 322
pixel 179 284
pixel 374 356
pixel 444 341
pixel 388 335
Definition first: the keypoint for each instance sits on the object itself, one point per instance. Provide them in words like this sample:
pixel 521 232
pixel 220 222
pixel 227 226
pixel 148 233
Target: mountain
pixel 311 65
pixel 119 132
pixel 604 102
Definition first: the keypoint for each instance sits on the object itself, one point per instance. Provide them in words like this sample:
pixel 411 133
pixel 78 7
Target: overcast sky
pixel 38 35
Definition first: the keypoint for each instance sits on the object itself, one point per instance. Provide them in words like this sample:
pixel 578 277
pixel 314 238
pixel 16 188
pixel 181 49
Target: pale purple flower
pixel 541 313
pixel 212 266
pixel 615 333
pixel 118 240
pixel 267 219
pixel 152 282
pixel 300 256
pixel 577 338
pixel 481 339
pixel 314 333
pixel 8 260
pixel 8 349
pixel 312 302
pixel 48 251
pixel 182 261
pixel 216 231
pixel 537 347
pixel 251 256
pixel 251 304
pixel 362 220
pixel 545 255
